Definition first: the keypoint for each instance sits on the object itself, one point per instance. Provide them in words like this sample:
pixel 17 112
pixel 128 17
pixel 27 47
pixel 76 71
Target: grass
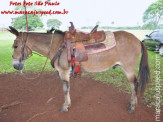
pixel 112 76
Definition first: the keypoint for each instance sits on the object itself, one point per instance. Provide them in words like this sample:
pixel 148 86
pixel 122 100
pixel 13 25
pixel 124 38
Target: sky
pixel 89 12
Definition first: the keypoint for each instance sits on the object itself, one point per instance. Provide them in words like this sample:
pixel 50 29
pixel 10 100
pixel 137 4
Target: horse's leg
pixel 134 88
pixel 66 90
pixel 64 70
pixel 64 75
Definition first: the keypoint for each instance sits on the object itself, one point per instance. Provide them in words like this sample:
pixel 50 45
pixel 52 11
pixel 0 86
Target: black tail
pixel 144 71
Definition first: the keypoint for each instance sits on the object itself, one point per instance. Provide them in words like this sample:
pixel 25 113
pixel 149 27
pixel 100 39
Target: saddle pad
pixel 107 44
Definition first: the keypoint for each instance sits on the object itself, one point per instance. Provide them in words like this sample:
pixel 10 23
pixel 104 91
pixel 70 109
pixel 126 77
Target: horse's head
pixel 21 50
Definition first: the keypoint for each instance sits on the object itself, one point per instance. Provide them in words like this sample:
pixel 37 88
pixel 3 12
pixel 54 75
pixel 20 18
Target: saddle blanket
pixel 107 44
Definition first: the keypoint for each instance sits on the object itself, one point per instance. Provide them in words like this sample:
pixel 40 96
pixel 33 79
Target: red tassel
pixel 77 69
pixel 73 61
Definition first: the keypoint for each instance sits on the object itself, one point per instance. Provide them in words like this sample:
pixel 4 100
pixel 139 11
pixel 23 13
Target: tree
pixel 112 22
pixel 150 25
pixel 33 22
pixel 54 23
pixel 161 26
pixel 153 14
pixel 98 23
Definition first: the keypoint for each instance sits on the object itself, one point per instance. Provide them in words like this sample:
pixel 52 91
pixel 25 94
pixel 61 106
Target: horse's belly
pixel 99 62
pixel 95 69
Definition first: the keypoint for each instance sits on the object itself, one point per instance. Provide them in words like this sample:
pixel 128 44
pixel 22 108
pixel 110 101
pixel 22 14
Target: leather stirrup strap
pixel 68 44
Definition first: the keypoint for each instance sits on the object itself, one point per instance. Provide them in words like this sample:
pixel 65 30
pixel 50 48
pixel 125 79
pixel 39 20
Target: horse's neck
pixel 46 45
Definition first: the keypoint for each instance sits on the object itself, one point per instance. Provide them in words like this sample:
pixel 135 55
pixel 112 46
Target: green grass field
pixel 113 76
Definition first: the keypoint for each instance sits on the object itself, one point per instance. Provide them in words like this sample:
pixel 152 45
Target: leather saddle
pixel 77 40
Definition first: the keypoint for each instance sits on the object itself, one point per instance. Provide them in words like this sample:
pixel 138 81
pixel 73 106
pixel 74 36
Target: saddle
pixel 80 44
pixel 77 42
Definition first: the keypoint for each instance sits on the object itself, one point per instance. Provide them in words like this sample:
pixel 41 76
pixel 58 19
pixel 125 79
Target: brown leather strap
pixel 23 47
pixel 68 45
pixel 58 54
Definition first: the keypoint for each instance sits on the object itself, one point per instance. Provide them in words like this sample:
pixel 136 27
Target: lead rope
pixel 40 74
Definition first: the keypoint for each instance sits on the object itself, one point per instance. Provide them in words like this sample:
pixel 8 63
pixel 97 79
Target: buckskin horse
pixel 125 54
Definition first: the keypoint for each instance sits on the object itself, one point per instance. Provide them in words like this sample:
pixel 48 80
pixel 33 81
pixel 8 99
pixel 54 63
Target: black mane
pixel 59 32
pixel 55 31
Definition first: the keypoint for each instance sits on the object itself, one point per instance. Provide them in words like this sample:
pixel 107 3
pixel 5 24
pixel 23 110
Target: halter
pixel 24 47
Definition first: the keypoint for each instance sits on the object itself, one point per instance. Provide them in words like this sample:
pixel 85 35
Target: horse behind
pixel 125 54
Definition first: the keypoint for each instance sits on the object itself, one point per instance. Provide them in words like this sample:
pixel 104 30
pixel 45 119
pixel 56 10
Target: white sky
pixel 88 12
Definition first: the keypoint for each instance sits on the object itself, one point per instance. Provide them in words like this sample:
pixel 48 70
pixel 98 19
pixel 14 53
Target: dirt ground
pixel 24 100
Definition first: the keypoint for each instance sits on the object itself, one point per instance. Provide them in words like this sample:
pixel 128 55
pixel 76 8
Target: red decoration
pixel 77 68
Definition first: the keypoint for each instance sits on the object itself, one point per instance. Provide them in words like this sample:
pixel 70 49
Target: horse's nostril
pixel 18 66
pixel 21 66
pixel 15 66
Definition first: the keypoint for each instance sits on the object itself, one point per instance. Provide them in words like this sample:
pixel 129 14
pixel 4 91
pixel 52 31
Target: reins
pixel 23 53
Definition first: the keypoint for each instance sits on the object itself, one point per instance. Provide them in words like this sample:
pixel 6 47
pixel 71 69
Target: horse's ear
pixel 72 28
pixel 13 31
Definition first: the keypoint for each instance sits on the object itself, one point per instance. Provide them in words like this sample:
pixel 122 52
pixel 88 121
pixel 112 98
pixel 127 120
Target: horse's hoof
pixel 64 110
pixel 130 111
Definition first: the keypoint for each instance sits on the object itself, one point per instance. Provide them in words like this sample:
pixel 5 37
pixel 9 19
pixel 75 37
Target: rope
pixel 33 52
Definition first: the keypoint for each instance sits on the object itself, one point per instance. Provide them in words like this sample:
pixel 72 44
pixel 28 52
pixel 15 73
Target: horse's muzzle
pixel 18 65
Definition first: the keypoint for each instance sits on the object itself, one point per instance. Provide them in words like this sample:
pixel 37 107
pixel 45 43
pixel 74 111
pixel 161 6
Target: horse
pixel 125 54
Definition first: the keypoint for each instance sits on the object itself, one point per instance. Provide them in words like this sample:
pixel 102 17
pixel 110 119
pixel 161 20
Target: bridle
pixel 25 48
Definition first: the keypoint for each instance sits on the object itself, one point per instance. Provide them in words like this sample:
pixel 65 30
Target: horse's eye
pixel 15 47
